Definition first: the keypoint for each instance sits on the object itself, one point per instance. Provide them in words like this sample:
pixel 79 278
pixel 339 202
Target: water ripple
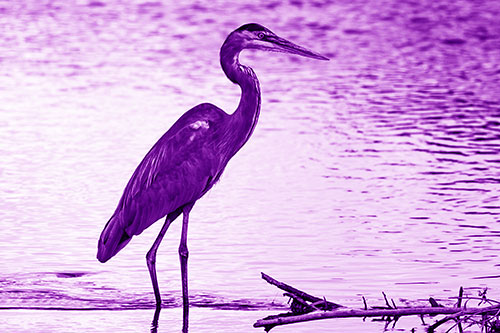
pixel 41 291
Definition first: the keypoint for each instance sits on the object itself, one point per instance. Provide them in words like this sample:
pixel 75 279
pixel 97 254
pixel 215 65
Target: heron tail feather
pixel 113 239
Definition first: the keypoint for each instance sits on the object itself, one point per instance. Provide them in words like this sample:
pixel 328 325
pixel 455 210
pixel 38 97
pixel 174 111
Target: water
pixel 376 171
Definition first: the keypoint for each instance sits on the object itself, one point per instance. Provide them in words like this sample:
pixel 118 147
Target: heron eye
pixel 260 35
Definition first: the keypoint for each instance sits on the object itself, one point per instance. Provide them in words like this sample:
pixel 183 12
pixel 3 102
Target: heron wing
pixel 178 170
pixel 182 166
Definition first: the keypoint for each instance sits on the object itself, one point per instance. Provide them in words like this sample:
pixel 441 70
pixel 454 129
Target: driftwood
pixel 305 307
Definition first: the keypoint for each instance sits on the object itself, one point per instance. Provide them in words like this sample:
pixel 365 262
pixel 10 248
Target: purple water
pixel 375 171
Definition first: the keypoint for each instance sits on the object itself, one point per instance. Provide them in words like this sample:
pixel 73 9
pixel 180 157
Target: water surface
pixel 376 171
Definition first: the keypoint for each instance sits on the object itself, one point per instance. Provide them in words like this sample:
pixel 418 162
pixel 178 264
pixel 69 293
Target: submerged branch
pixel 349 313
pixel 306 307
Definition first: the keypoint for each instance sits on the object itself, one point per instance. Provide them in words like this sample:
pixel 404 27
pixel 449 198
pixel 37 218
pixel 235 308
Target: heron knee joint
pixel 183 251
pixel 151 257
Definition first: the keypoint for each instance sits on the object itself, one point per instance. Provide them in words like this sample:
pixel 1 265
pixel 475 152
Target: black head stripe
pixel 251 27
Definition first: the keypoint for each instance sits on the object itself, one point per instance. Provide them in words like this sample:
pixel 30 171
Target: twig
pixel 460 294
pixel 386 301
pixel 300 293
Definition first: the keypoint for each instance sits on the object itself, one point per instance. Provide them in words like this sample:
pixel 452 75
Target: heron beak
pixel 282 45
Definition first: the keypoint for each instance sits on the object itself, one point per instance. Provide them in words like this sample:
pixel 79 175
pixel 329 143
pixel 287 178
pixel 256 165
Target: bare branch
pixel 306 307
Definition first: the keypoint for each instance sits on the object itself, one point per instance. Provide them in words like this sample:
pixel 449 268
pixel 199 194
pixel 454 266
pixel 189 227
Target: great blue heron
pixel 191 156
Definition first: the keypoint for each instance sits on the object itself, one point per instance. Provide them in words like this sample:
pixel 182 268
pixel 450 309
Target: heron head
pixel 255 36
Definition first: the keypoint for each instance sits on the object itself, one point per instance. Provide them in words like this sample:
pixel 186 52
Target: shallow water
pixel 375 171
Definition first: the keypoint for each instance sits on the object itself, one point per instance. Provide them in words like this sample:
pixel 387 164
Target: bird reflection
pixel 185 319
pixel 156 317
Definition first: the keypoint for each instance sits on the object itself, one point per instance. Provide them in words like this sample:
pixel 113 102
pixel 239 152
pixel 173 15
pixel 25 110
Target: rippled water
pixel 376 171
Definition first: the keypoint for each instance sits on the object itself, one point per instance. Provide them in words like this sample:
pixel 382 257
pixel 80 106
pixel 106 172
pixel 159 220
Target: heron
pixel 190 157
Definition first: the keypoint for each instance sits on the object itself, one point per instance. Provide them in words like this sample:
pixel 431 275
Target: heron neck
pixel 246 115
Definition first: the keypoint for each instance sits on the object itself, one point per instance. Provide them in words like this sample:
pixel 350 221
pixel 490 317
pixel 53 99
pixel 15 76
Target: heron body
pixel 190 157
pixel 169 178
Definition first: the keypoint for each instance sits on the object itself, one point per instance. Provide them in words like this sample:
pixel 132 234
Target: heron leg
pixel 151 257
pixel 183 257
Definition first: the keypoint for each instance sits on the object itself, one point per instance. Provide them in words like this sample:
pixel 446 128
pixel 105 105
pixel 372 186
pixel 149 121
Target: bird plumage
pixel 182 166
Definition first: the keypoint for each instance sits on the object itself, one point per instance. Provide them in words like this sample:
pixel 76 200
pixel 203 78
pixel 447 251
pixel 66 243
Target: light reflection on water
pixel 376 171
